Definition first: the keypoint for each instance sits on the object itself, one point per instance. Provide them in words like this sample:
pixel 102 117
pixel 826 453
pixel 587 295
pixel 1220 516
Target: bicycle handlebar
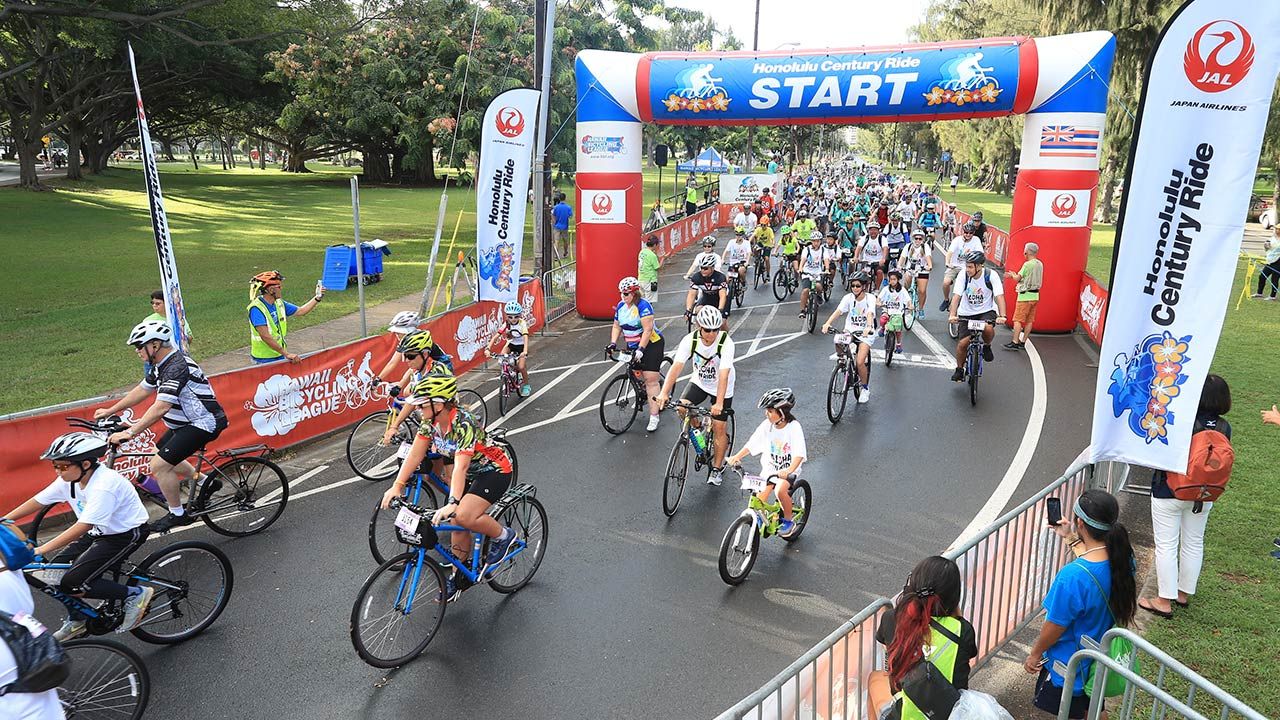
pixel 110 424
pixel 743 473
pixel 695 409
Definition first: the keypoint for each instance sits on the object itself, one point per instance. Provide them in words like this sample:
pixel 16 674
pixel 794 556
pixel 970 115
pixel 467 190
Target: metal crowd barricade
pixel 564 274
pixel 1158 692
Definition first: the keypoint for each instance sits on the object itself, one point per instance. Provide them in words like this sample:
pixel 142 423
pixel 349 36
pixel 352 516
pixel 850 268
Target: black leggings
pixel 90 557
pixel 1270 271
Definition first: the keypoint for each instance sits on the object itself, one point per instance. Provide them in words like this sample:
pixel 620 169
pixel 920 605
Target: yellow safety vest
pixel 942 653
pixel 277 329
pixel 691 194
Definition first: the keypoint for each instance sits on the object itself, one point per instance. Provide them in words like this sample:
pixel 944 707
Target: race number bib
pixel 977 324
pixel 403 452
pixel 754 483
pixel 408 520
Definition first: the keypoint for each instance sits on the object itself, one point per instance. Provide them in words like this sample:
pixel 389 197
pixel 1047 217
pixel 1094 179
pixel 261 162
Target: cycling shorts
pixel 489 485
pixel 695 395
pixel 651 361
pixel 180 443
pixel 989 316
pixel 765 250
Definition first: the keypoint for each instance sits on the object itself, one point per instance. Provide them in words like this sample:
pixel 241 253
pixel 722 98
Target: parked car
pixel 1260 209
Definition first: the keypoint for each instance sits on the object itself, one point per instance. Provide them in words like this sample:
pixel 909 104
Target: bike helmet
pixel 709 241
pixel 917 232
pixel 803 213
pixel 513 307
pixel 860 276
pixel 873 225
pixel 977 257
pixel 895 272
pixel 739 230
pixel 147 331
pixel 708 261
pixel 628 284
pixel 952 206
pixel 895 215
pixel 815 235
pixel 977 215
pixel 418 341
pixel 405 322
pixel 436 387
pixel 778 399
pixel 709 318
pixel 969 228
pixel 76 447
pixel 929 206
pixel 268 278
pixel 784 230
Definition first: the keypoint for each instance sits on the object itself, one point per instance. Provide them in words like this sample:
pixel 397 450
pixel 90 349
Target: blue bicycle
pixel 400 607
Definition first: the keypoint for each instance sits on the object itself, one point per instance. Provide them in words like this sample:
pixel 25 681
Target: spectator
pixel 1270 274
pixel 955 180
pixel 691 195
pixel 1089 596
pixel 157 308
pixel 269 317
pixel 562 213
pixel 927 615
pixel 1272 417
pixel 1029 279
pixel 649 264
pixel 1177 524
pixel 773 166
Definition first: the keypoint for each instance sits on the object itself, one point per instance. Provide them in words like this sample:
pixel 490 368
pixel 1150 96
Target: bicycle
pixel 973 361
pixel 372 460
pixel 410 587
pixel 508 381
pixel 761 274
pixel 626 394
pixel 843 377
pixel 737 290
pixel 741 544
pixel 422 491
pixel 809 317
pixel 694 431
pixel 892 338
pixel 785 280
pixel 108 680
pixel 242 493
pixel 183 605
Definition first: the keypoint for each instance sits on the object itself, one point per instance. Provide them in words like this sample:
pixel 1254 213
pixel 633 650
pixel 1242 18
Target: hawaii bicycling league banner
pixel 1196 148
pixel 174 309
pixel 502 185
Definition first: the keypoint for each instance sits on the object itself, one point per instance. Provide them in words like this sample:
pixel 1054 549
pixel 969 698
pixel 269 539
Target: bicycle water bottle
pixel 699 440
pixel 149 484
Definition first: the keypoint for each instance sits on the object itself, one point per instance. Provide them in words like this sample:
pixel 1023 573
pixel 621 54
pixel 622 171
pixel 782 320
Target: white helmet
pixel 709 318
pixel 815 235
pixel 75 446
pixel 147 331
pixel 405 322
pixel 513 308
pixel 628 284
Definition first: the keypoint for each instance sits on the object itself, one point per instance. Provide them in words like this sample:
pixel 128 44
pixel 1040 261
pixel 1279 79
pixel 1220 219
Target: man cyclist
pixel 764 241
pixel 979 227
pixel 960 246
pixel 929 220
pixel 779 441
pixel 736 256
pixel 109 518
pixel 815 260
pixel 804 225
pixel 978 296
pixel 185 401
pixel 897 234
pixel 859 307
pixel 707 287
pixel 708 250
pixel 873 250
pixel 788 245
pixel 711 351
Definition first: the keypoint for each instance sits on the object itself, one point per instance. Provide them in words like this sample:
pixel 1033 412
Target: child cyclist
pixel 513 337
pixel 779 441
pixel 894 300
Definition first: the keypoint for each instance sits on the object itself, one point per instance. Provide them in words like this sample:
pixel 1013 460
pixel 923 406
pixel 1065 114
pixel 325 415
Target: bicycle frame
pixel 75 604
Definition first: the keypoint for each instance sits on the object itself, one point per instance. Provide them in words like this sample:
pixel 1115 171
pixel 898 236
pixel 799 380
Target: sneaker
pixel 451 591
pixel 1256 295
pixel 958 375
pixel 1272 297
pixel 1012 346
pixel 70 630
pixel 801 316
pixel 864 396
pixel 1276 542
pixel 920 313
pixel 715 477
pixel 942 307
pixel 171 521
pixel 987 353
pixel 898 350
pixel 135 609
pixel 525 390
pixel 498 548
pixel 207 489
pixel 833 356
pixel 653 423
pixel 786 527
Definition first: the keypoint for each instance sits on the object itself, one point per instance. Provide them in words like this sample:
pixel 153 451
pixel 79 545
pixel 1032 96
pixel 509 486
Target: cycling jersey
pixel 708 361
pixel 751 222
pixel 515 334
pixel 179 381
pixel 803 228
pixel 628 318
pixel 764 236
pixel 737 252
pixel 874 249
pixel 914 258
pixel 709 287
pixel 929 220
pixel 790 246
pixel 894 301
pixel 856 321
pixel 467 437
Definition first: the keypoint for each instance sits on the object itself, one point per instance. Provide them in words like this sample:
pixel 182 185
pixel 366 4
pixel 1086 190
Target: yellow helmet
pixel 419 342
pixel 436 387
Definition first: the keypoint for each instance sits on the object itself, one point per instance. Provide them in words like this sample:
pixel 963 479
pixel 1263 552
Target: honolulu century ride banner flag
pixel 502 187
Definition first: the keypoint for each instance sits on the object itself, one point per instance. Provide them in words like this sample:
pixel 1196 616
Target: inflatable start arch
pixel 1059 83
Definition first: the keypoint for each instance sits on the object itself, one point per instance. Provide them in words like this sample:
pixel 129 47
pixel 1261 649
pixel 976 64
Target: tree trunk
pixel 262 155
pixel 27 176
pixel 166 147
pixel 1106 208
pixel 376 167
pixel 399 173
pixel 74 137
pixel 193 146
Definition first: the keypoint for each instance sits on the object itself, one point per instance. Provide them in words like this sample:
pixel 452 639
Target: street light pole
pixel 751 129
pixel 544 36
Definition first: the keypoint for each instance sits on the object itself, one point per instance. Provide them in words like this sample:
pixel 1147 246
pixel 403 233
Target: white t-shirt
pixel 874 250
pixel 959 248
pixel 813 262
pixel 975 298
pixel 894 302
pixel 777 447
pixel 15 599
pixel 738 251
pixel 697 261
pixel 740 220
pixel 706 364
pixel 108 502
pixel 752 221
pixel 857 321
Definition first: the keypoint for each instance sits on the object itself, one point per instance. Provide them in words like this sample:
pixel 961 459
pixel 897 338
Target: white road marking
pixel 760 333
pixel 932 343
pixel 1022 459
pixel 295 482
pixel 542 390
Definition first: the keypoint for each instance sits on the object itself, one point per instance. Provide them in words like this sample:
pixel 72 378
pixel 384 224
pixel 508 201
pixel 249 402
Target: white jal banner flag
pixel 1196 148
pixel 502 188
pixel 177 314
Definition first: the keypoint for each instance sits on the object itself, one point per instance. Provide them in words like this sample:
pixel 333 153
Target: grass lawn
pixel 1228 634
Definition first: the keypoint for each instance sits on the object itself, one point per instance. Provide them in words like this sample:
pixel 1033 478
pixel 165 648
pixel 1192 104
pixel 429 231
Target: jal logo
pixel 1218 56
pixel 602 204
pixel 1064 205
pixel 509 121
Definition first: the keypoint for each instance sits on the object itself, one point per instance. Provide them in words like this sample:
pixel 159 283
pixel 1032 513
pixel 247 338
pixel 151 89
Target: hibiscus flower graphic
pixel 275 406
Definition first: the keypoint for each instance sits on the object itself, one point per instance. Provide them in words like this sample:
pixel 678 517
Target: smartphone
pixel 1054 507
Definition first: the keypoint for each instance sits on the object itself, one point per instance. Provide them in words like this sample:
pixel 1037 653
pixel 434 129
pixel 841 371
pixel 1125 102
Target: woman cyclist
pixel 633 319
pixel 415 349
pixel 779 441
pixel 916 262
pixel 479 471
pixel 513 337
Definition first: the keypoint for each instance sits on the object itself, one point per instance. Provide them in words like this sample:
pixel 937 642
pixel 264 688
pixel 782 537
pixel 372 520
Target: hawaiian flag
pixel 1068 141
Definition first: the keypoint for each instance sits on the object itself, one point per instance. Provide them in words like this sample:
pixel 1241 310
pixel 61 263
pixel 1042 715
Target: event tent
pixel 708 160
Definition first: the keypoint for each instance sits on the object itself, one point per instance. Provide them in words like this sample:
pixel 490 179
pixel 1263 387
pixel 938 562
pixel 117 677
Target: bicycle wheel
pixel 108 680
pixel 781 287
pixel 252 495
pixel 193 582
pixel 812 312
pixel 889 347
pixel 760 275
pixel 619 406
pixel 837 393
pixel 383 543
pixel 366 456
pixel 909 316
pixel 677 470
pixel 740 293
pixel 504 395
pixel 529 521
pixel 738 551
pixel 974 367
pixel 801 504
pixel 61 520
pixel 515 462
pixel 953 329
pixel 398 612
pixel 473 402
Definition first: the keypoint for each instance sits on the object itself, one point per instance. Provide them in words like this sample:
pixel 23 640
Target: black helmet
pixel 977 215
pixel 781 399
pixel 969 228
pixel 977 257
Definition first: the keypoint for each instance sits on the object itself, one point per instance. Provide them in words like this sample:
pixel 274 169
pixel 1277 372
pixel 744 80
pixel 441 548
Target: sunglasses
pixel 62 467
pixel 855 286
pixel 412 355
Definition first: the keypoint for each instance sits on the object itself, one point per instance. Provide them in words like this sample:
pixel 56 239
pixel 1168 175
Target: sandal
pixel 1154 611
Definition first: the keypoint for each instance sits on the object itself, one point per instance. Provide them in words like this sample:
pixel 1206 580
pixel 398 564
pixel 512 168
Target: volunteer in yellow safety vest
pixel 269 317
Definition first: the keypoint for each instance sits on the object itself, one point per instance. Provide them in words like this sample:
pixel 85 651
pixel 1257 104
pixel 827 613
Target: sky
pixel 814 23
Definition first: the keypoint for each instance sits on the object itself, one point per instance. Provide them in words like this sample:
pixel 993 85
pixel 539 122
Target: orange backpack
pixel 1208 469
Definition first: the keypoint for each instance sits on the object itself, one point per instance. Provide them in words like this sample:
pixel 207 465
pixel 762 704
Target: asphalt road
pixel 627 617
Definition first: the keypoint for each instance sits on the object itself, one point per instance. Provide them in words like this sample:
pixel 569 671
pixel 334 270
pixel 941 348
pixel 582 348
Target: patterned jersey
pixel 466 436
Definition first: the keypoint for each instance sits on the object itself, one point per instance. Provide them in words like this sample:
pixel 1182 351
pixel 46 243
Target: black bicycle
pixel 973 361
pixel 108 680
pixel 373 460
pixel 761 273
pixel 844 376
pixel 626 394
pixel 737 290
pixel 817 297
pixel 785 280
pixel 695 433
